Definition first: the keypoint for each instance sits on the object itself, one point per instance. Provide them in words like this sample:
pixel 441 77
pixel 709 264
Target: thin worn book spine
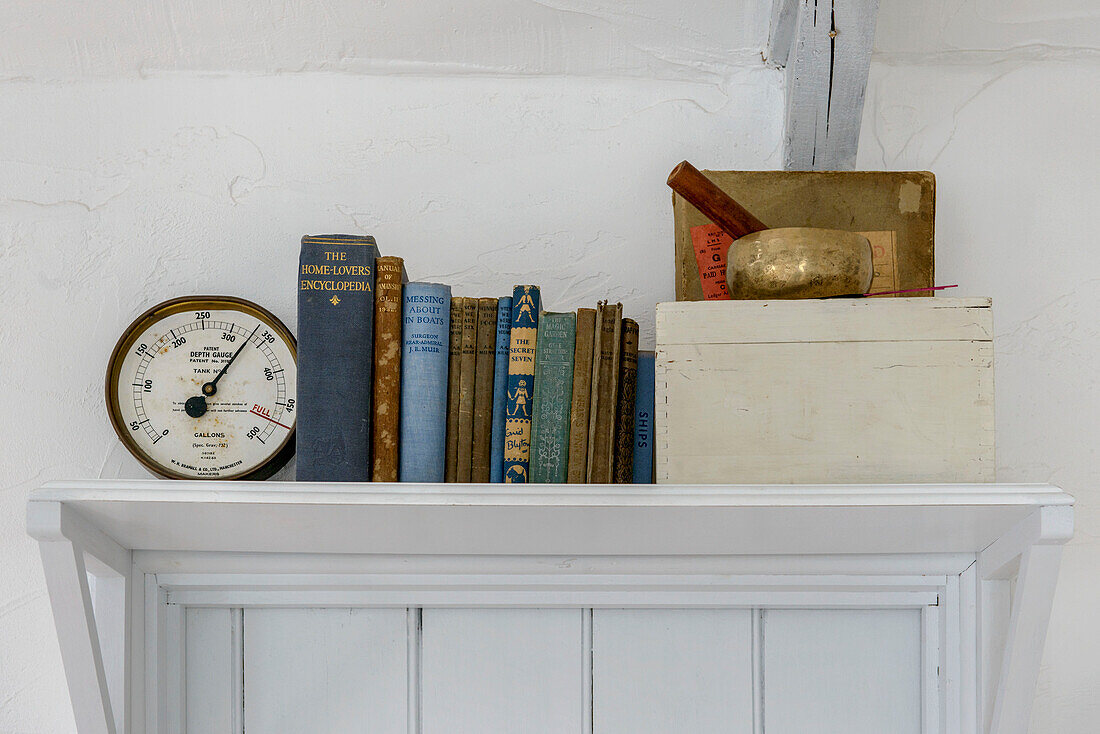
pixel 553 397
pixel 581 398
pixel 604 393
pixel 483 389
pixel 624 420
pixel 643 419
pixel 521 379
pixel 424 357
pixel 387 366
pixel 454 371
pixel 466 391
pixel 500 387
pixel 335 349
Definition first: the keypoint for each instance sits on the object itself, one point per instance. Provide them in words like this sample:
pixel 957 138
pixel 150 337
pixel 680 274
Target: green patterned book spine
pixel 553 397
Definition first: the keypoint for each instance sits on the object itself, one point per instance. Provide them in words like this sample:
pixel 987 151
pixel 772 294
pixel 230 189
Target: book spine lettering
pixel 624 422
pixel 454 371
pixel 553 397
pixel 500 387
pixel 483 389
pixel 582 386
pixel 466 391
pixel 335 350
pixel 424 358
pixel 387 366
pixel 521 377
pixel 643 419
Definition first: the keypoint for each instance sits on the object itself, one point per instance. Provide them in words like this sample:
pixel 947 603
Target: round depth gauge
pixel 204 388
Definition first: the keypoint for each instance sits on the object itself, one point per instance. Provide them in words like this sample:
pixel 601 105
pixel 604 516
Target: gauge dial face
pixel 204 388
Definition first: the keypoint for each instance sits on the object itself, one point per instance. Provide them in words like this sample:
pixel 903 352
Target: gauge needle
pixel 196 406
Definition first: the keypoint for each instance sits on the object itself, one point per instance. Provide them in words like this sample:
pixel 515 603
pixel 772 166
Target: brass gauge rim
pixel 276 461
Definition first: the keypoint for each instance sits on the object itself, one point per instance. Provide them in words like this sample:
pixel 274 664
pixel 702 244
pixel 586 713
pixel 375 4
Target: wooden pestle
pixel 715 204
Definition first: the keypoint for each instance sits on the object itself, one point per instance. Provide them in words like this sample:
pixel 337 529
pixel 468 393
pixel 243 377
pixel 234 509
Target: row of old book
pixel 398 381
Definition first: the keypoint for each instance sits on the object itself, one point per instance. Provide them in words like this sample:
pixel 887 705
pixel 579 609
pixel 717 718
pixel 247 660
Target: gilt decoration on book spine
pixel 335 350
pixel 624 422
pixel 387 366
pixel 468 360
pixel 424 359
pixel 604 394
pixel 454 366
pixel 521 378
pixel 553 397
pixel 483 389
pixel 500 387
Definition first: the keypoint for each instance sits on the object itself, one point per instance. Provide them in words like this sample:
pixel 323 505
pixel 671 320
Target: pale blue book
pixel 426 312
pixel 500 388
pixel 643 420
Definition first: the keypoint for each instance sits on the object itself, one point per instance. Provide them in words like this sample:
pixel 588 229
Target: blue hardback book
pixel 521 383
pixel 500 387
pixel 335 356
pixel 643 420
pixel 425 332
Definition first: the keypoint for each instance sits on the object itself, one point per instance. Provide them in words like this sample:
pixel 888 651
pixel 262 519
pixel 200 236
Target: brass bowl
pixel 799 262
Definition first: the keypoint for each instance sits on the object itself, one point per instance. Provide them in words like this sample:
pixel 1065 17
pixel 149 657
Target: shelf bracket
pixel 1032 553
pixel 75 556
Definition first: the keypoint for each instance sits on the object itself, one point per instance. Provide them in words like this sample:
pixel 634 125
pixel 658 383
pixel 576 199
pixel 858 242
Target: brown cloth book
pixel 464 450
pixel 604 393
pixel 454 370
pixel 483 389
pixel 628 387
pixel 388 343
pixel 577 469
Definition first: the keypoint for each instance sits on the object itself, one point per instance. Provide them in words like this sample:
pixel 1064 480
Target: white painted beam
pixel 825 46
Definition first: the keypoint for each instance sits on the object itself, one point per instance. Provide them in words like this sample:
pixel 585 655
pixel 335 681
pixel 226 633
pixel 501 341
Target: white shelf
pixel 549 519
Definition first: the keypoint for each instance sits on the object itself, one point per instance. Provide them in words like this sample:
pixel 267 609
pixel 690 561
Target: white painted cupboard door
pixel 842 672
pixel 656 671
pixel 502 670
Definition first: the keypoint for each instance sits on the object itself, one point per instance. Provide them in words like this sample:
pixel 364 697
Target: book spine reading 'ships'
pixel 466 391
pixel 643 420
pixel 454 372
pixel 424 357
pixel 483 389
pixel 553 397
pixel 624 421
pixel 521 378
pixel 500 387
pixel 335 350
pixel 387 366
pixel 582 386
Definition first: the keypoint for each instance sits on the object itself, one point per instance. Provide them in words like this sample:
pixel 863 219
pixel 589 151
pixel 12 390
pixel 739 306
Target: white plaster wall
pixel 1001 100
pixel 153 149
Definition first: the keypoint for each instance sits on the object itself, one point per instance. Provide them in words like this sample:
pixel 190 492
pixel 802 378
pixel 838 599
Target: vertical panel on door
pixel 665 670
pixel 325 670
pixel 502 670
pixel 213 671
pixel 842 671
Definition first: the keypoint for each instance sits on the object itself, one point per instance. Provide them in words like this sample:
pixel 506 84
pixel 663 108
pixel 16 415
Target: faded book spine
pixel 464 449
pixel 454 371
pixel 335 347
pixel 577 470
pixel 604 394
pixel 553 397
pixel 521 378
pixel 643 419
pixel 483 389
pixel 424 357
pixel 387 366
pixel 624 420
pixel 500 387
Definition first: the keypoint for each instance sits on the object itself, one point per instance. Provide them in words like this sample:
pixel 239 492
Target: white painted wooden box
pixel 837 390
